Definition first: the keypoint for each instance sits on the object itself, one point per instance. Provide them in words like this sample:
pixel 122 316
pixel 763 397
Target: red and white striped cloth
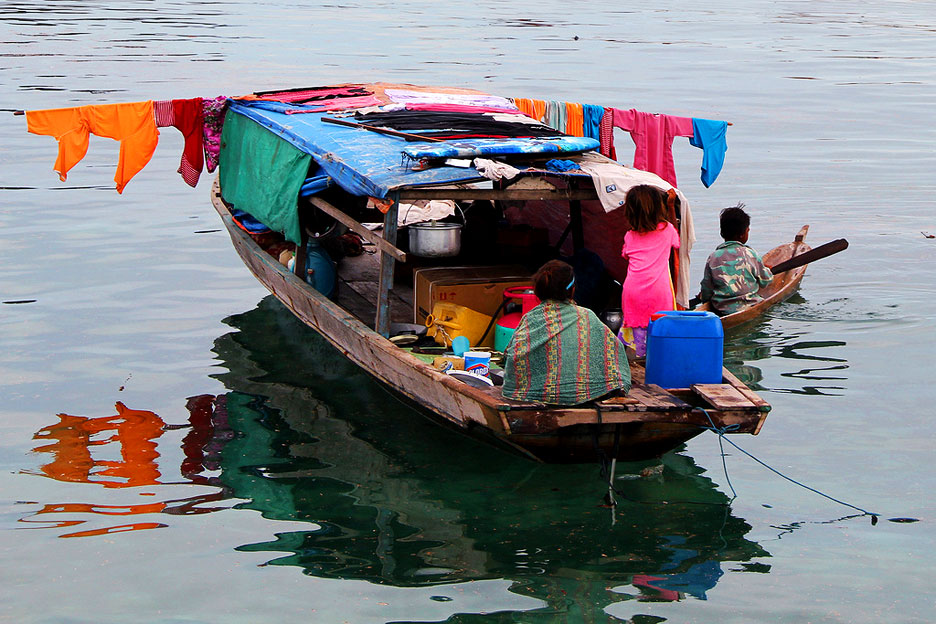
pixel 163 112
pixel 606 134
pixel 188 117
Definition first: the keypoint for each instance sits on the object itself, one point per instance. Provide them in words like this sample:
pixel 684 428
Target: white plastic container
pixel 478 363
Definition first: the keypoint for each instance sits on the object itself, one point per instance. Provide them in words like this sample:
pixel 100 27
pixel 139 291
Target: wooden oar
pixel 810 256
pixel 387 131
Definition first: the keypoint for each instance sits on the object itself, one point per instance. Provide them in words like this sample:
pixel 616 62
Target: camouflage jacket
pixel 733 274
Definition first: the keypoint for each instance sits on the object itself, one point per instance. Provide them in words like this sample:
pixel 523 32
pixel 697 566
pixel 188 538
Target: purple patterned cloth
pixel 634 338
pixel 214 120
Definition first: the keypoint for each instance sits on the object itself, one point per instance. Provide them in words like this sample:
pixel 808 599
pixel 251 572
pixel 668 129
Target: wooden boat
pixel 779 289
pixel 370 297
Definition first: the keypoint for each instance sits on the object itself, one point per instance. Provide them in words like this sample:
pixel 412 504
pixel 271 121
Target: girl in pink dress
pixel 648 287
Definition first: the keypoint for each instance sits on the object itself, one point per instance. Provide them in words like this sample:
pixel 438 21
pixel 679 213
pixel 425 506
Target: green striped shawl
pixel 563 354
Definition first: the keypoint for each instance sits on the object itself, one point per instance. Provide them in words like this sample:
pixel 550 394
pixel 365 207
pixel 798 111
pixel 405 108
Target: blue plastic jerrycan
pixel 322 272
pixel 684 348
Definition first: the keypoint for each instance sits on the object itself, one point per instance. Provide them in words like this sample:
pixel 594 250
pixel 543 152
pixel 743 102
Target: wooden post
pixel 576 224
pixel 672 204
pixel 575 220
pixel 382 321
pixel 299 267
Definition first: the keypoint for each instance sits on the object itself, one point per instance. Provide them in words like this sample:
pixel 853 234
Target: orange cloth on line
pixel 575 119
pixel 539 110
pixel 532 108
pixel 132 124
pixel 525 105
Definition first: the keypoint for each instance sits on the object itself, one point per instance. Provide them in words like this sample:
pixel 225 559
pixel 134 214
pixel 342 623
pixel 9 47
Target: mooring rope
pixel 721 431
pixel 604 462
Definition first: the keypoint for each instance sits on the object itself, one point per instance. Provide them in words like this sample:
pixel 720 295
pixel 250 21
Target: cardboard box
pixel 478 288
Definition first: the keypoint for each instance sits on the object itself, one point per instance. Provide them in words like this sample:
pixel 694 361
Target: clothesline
pixel 652 133
pixel 134 125
pixel 22 112
pixel 200 121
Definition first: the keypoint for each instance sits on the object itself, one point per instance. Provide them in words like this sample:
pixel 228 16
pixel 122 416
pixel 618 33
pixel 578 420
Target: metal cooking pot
pixel 433 239
pixel 613 318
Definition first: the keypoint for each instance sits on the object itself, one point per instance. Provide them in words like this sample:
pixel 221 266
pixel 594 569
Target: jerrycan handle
pixel 525 294
pixel 692 313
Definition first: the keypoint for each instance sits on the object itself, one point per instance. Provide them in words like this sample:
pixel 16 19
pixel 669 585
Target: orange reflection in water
pixel 108 510
pixel 74 442
pixel 73 438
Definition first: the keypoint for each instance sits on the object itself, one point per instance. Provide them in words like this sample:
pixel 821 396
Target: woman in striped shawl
pixel 560 353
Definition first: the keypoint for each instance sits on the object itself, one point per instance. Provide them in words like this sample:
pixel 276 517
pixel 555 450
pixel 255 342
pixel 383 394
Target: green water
pixel 258 477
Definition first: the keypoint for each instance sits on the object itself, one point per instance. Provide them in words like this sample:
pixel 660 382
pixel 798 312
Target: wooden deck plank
pixel 352 301
pixel 638 372
pixel 752 396
pixel 641 398
pixel 401 311
pixel 653 398
pixel 359 274
pixel 723 396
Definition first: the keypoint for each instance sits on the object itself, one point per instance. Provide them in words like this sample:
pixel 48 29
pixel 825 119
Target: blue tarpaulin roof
pixel 360 161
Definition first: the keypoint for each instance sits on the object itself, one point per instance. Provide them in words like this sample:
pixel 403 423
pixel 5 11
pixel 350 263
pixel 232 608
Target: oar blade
pixel 812 255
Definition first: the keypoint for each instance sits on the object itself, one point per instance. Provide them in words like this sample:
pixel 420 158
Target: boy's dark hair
pixel 554 280
pixel 733 222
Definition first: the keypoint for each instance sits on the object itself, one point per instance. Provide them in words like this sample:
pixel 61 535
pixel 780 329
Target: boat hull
pixel 625 428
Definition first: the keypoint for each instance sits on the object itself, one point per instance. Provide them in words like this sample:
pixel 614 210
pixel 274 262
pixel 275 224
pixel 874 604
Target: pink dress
pixel 648 287
pixel 653 137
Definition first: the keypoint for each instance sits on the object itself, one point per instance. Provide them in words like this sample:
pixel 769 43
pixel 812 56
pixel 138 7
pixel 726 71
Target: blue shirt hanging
pixel 709 135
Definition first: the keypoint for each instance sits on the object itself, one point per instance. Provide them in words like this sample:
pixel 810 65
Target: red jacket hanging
pixel 188 117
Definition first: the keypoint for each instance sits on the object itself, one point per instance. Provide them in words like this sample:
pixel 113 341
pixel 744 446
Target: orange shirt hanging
pixel 575 119
pixel 132 124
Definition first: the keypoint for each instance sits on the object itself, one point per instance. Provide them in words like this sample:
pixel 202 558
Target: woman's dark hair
pixel 644 208
pixel 733 221
pixel 554 280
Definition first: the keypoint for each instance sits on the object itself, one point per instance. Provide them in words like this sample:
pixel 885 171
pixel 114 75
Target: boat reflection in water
pixel 392 498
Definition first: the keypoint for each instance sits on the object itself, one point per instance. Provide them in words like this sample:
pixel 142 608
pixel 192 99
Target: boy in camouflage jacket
pixel 734 273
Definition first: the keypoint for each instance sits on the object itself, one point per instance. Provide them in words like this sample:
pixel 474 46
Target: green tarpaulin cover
pixel 261 173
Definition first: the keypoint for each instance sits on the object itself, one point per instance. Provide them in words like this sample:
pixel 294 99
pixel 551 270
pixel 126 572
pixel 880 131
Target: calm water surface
pixel 176 447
